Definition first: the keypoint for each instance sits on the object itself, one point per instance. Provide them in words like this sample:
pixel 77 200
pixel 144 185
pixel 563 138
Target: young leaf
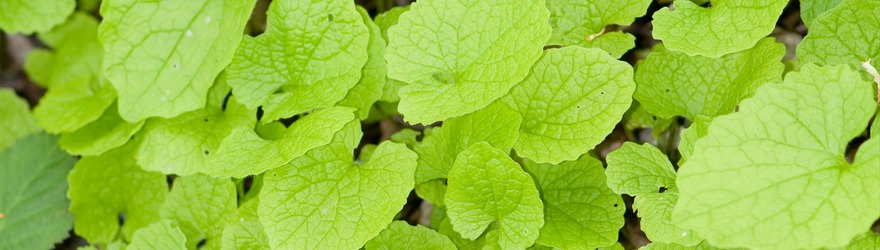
pixel 571 100
pixel 580 211
pixel 372 82
pixel 195 135
pixel 639 169
pixel 672 246
pixel 125 192
pixel 432 191
pixel 201 205
pixel 727 26
pixel 487 187
pixel 578 22
pixel 108 132
pixel 645 172
pixel 445 228
pixel 77 93
pixel 17 121
pixel 385 21
pixel 655 213
pixel 325 200
pixel 400 235
pixel 810 9
pixel 29 16
pixel 699 128
pixel 495 124
pixel 874 130
pixel 33 205
pixel 309 57
pixel 616 43
pixel 245 230
pixel 459 56
pixel 870 240
pixel 163 56
pixel 160 235
pixel 672 83
pixel 845 34
pixel 775 172
pixel 244 152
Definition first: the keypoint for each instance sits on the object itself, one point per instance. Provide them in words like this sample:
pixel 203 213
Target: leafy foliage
pixel 28 16
pixel 443 124
pixel 487 187
pixel 323 199
pixel 572 98
pixel 672 83
pixel 495 43
pixel 580 211
pixel 727 26
pixel 757 156
pixel 179 47
pixel 18 122
pixel 289 70
pixel 33 209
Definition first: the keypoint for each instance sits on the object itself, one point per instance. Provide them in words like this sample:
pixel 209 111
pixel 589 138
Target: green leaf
pixel 325 200
pixel 844 35
pixel 874 131
pixel 389 18
pixel 870 240
pixel 487 187
pixel 178 47
pixel 637 117
pixel 727 26
pixel 77 93
pixel 580 211
pixel 432 191
pixel 570 101
pixel 672 83
pixel 689 137
pixel 184 145
pixel 495 124
pixel 445 228
pixel 17 121
pixel 616 246
pixel 108 132
pixel 29 16
pixel 245 230
pixel 160 235
pixel 672 246
pixel 400 235
pixel 309 57
pixel 33 205
pixel 616 43
pixel 810 9
pixel 244 153
pixel 201 205
pixel 459 56
pixel 369 89
pixel 639 169
pixel 646 173
pixel 406 136
pixel 746 182
pixel 385 21
pixel 655 213
pixel 125 191
pixel 577 22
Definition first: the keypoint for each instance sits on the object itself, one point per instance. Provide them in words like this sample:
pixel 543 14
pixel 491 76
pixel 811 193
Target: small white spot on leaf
pixel 189 33
pixel 207 19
